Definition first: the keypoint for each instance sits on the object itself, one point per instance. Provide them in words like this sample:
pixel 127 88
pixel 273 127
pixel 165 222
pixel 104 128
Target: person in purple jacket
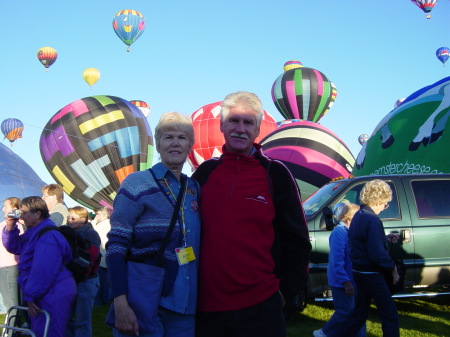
pixel 45 282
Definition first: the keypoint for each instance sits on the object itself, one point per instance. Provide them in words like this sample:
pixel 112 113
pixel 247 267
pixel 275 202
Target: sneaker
pixel 319 333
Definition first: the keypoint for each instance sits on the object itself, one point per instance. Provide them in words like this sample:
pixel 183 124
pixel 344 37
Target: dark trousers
pixel 371 286
pixel 265 319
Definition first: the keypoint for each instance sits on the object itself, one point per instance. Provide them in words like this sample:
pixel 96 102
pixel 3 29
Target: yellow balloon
pixel 91 76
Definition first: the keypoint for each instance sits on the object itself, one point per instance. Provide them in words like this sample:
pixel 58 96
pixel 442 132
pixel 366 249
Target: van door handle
pixel 406 236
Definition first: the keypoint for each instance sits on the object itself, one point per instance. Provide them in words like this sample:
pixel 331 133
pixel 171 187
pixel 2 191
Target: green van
pixel 419 213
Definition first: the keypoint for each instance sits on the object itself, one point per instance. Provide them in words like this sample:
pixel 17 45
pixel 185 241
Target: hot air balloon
pixel 47 56
pixel 143 106
pixel 333 98
pixel 362 139
pixel 302 93
pixel 91 76
pixel 313 154
pixel 12 129
pixel 413 138
pixel 92 144
pixel 398 102
pixel 17 178
pixel 208 138
pixel 129 25
pixel 443 54
pixel 425 5
pixel 292 64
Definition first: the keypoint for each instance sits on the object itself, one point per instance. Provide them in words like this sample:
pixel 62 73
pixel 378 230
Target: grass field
pixel 419 317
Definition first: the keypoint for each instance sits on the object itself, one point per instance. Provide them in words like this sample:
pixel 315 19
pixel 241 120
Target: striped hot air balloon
pixel 302 93
pixel 208 138
pixel 92 144
pixel 47 56
pixel 12 129
pixel 143 106
pixel 313 154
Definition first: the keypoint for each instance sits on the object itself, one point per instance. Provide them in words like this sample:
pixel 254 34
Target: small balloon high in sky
pixel 47 56
pixel 129 26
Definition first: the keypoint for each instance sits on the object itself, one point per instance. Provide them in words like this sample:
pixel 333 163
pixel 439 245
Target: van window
pixel 392 212
pixel 432 198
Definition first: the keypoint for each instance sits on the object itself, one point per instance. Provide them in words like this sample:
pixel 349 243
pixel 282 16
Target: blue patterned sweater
pixel 139 223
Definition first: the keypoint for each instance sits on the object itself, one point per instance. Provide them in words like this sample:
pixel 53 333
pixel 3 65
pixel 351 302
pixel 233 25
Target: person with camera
pixel 8 262
pixel 45 282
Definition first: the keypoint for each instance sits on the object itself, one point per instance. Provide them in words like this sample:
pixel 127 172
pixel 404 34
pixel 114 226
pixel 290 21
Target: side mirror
pixel 329 218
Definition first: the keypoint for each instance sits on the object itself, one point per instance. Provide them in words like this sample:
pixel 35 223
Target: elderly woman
pixel 370 259
pixel 143 210
pixel 43 278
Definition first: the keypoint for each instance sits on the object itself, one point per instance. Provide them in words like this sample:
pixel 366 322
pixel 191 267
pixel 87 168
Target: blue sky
pixel 195 52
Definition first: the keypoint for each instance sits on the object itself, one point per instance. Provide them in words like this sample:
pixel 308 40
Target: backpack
pixel 85 255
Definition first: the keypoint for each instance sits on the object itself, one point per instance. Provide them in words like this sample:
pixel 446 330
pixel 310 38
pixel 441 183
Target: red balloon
pixel 208 138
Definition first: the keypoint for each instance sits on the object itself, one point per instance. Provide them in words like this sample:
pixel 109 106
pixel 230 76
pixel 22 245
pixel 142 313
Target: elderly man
pixel 255 244
pixel 53 196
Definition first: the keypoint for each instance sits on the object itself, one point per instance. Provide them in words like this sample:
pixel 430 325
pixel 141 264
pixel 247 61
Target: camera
pixel 14 214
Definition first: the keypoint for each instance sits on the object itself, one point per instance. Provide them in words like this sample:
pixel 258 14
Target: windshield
pixel 318 199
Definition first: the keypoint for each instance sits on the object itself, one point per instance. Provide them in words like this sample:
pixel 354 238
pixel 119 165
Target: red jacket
pixel 255 239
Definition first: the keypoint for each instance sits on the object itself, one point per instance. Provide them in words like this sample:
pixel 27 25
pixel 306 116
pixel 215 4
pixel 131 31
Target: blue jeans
pixel 343 305
pixel 80 324
pixel 169 324
pixel 8 287
pixel 103 291
pixel 368 287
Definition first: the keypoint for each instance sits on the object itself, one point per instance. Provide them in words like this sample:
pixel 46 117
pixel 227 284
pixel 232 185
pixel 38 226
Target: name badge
pixel 185 255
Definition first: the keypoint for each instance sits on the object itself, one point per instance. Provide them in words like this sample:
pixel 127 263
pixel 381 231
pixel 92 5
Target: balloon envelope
pixel 292 64
pixel 128 25
pixel 362 139
pixel 313 154
pixel 143 106
pixel 413 138
pixel 17 178
pixel 91 76
pixel 208 138
pixel 12 129
pixel 47 56
pixel 425 5
pixel 302 93
pixel 92 144
pixel 443 54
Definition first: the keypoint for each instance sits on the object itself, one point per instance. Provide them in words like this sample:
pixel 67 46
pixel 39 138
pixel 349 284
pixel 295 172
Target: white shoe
pixel 319 333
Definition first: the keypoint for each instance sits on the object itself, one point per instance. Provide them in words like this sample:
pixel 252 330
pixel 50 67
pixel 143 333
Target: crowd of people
pixel 223 253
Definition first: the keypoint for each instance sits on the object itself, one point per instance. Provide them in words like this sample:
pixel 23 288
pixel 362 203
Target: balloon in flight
pixel 443 54
pixel 425 5
pixel 91 76
pixel 12 129
pixel 47 56
pixel 362 139
pixel 129 25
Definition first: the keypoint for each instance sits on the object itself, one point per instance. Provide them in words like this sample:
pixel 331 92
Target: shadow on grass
pixel 418 317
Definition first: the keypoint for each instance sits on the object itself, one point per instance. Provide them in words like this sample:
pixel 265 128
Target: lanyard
pixel 181 207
